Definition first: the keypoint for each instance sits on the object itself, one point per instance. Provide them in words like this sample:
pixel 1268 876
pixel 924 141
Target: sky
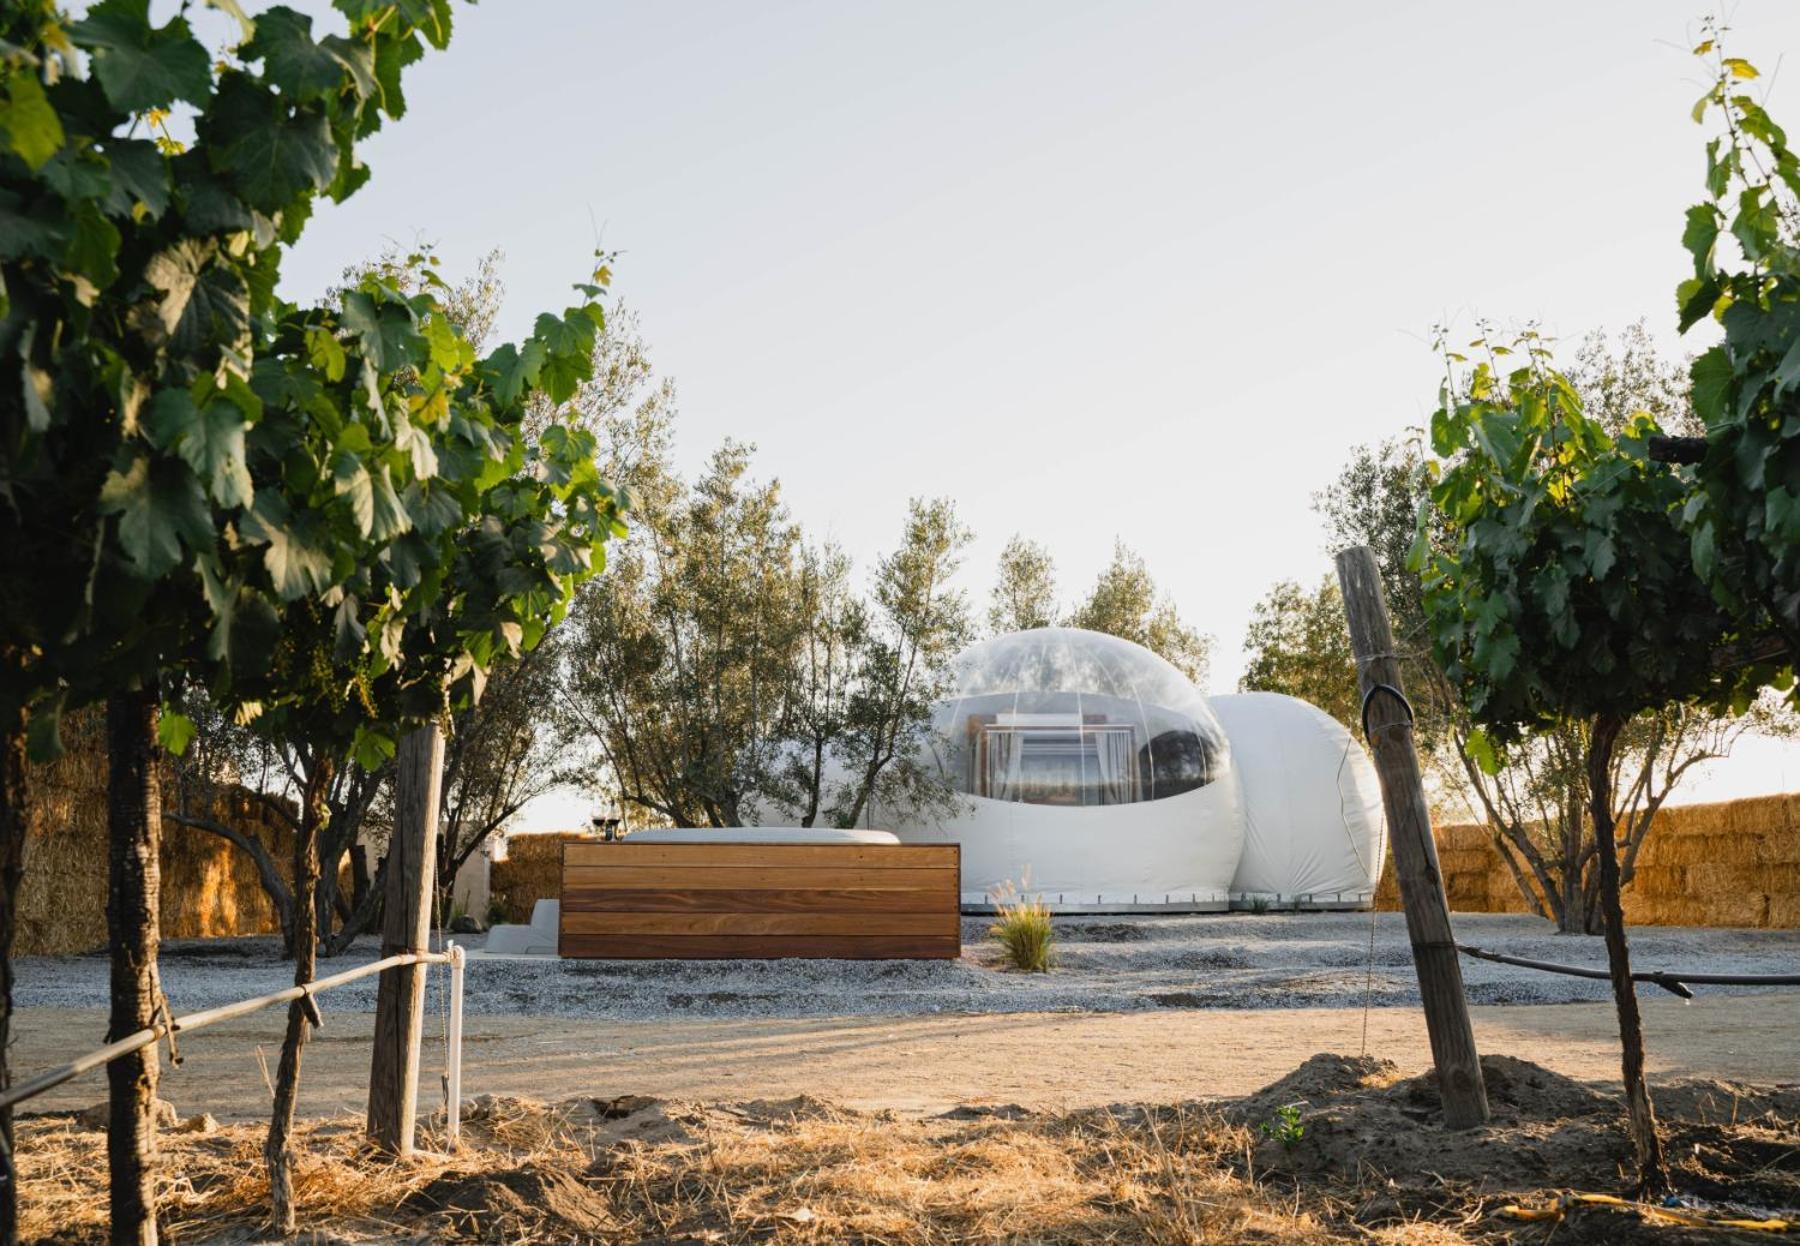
pixel 1136 271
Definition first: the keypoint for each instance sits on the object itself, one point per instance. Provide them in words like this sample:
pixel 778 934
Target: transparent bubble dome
pixel 1059 716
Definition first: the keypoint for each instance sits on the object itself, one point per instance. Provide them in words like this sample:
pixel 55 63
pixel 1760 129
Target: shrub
pixel 1023 929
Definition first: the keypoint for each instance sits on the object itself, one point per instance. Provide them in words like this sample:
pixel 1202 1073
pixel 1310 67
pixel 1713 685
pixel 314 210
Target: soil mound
pixel 1323 1079
pixel 508 1204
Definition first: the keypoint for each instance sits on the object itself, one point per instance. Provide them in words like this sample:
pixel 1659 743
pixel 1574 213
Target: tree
pixel 1562 592
pixel 1298 645
pixel 683 658
pixel 1742 516
pixel 326 515
pixel 135 271
pixel 917 624
pixel 1126 602
pixel 502 753
pixel 1024 594
pixel 1535 804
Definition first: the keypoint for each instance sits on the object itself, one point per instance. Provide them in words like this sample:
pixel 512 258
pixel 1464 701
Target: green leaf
pixel 1482 751
pixel 1739 67
pixel 93 246
pixel 349 632
pixel 304 69
pixel 140 67
pixel 1701 236
pixel 325 353
pixel 159 507
pixel 389 516
pixel 1705 550
pixel 203 303
pixel 390 337
pixel 209 438
pixel 271 157
pixel 174 731
pixel 140 175
pixel 33 130
pixel 1711 376
pixel 350 479
pixel 298 557
pixel 1781 514
pixel 372 748
pixel 516 371
pixel 1601 555
pixel 414 442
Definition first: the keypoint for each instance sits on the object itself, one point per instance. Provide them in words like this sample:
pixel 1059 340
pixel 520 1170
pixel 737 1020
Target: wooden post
pixel 1415 853
pixel 406 927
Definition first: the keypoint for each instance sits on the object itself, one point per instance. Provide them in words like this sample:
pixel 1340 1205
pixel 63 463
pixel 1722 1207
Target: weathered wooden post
pixel 406 927
pixel 1389 724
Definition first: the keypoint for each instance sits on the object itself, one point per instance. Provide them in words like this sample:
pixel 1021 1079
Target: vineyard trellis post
pixel 1387 720
pixel 406 927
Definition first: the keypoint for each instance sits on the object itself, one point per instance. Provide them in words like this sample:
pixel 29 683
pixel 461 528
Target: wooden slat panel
pixel 943 924
pixel 739 877
pixel 584 899
pixel 738 947
pixel 913 856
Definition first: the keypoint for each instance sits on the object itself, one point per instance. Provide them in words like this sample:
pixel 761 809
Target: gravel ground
pixel 1105 964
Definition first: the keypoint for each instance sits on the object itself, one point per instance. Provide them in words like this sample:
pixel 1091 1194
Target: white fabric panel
pixel 1172 851
pixel 1313 822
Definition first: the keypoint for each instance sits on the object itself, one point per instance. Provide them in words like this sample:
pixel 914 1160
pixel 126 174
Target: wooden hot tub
pixel 760 893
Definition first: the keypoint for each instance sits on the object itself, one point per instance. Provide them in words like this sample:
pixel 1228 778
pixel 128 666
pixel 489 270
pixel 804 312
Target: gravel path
pixel 1106 964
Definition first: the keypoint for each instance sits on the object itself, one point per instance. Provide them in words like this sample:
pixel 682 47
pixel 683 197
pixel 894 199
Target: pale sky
pixel 1135 270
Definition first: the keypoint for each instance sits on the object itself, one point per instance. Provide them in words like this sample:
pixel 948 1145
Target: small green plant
pixel 1023 928
pixel 1285 1126
pixel 1259 905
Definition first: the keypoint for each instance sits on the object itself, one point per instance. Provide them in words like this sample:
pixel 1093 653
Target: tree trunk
pixel 406 927
pixel 274 886
pixel 12 856
pixel 278 1150
pixel 367 911
pixel 134 833
pixel 1653 1173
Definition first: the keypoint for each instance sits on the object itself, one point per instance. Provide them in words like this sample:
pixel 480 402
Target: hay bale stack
pixel 530 871
pixel 1730 864
pixel 208 887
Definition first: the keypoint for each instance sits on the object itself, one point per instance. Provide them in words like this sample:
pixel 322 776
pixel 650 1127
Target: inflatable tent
pixel 1314 834
pixel 1091 774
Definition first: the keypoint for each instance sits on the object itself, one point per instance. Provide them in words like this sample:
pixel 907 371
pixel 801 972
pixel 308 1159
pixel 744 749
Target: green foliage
pixel 1024 594
pixel 1023 928
pixel 1285 1127
pixel 1559 584
pixel 1299 644
pixel 137 307
pixel 333 515
pixel 1126 602
pixel 1743 519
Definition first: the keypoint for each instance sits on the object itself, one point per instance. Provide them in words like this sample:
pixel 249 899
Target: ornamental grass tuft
pixel 1022 927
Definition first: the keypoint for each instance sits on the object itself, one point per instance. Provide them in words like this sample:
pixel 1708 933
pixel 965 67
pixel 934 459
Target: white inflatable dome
pixel 1093 775
pixel 1314 833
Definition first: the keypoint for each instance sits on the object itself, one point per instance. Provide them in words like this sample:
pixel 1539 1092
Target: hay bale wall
pixel 1730 864
pixel 208 887
pixel 530 871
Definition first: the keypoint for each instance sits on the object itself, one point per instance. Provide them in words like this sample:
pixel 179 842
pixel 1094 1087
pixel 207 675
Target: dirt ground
pixel 1053 1061
pixel 1343 1149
